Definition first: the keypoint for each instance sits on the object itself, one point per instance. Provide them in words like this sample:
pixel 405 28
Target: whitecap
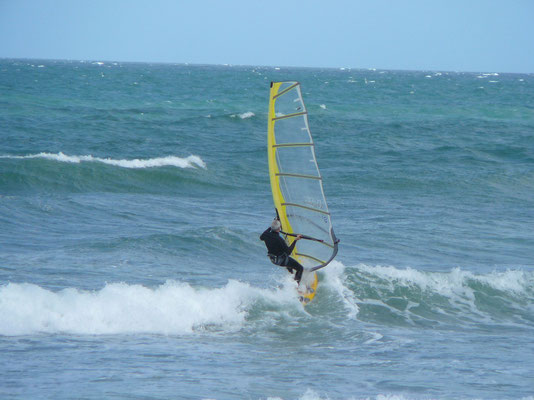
pixel 460 287
pixel 191 161
pixel 119 308
pixel 245 115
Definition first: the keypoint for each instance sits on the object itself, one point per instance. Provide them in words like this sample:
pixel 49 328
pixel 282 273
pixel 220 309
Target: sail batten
pixel 299 175
pixel 306 207
pixel 286 90
pixel 293 145
pixel 296 181
pixel 310 257
pixel 298 114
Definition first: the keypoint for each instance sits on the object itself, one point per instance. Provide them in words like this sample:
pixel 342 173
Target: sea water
pixel 132 197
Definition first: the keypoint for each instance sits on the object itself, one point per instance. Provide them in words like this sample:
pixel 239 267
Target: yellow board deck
pixel 307 287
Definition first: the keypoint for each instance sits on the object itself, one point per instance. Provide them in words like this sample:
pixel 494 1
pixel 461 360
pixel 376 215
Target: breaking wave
pixel 389 295
pixel 120 308
pixel 192 161
pixel 378 295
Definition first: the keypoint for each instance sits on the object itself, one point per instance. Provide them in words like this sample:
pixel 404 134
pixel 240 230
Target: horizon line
pixel 274 66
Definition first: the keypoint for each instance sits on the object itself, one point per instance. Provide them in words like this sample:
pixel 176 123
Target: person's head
pixel 276 226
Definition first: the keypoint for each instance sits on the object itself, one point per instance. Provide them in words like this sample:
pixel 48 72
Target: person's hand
pixel 298 237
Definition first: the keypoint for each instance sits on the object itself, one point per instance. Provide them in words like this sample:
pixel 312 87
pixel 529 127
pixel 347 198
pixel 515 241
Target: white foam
pixel 453 282
pixel 458 286
pixel 323 106
pixel 189 162
pixel 119 308
pixel 310 394
pixel 513 281
pixel 334 278
pixel 244 115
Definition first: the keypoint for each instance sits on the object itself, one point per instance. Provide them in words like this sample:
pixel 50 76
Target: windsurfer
pixel 279 251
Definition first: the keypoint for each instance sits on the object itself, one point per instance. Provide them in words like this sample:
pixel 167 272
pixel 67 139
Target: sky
pixel 436 35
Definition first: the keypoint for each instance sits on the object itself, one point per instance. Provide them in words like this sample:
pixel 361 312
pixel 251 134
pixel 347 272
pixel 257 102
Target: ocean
pixel 132 197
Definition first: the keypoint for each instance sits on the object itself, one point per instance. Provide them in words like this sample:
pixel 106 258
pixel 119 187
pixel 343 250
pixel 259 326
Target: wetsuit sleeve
pixel 290 249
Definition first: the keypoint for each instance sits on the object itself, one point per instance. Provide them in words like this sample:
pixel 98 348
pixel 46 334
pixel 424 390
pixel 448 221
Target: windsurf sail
pixel 296 182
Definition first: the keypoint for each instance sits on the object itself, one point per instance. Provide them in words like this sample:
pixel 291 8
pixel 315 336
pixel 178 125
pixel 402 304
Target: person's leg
pixel 291 265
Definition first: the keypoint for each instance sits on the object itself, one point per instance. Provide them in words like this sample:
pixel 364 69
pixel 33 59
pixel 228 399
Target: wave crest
pixel 118 308
pixel 386 294
pixel 192 161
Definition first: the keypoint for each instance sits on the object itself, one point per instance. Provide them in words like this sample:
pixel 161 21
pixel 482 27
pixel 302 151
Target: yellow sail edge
pixel 278 198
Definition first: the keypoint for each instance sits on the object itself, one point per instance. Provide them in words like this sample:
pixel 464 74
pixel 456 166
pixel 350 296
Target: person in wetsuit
pixel 279 251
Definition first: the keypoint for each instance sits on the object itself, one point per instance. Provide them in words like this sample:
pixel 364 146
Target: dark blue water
pixel 132 197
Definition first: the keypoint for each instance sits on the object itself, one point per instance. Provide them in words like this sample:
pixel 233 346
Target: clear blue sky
pixel 453 35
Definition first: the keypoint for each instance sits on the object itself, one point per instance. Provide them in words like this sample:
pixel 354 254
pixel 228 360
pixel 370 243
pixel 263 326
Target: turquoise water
pixel 131 201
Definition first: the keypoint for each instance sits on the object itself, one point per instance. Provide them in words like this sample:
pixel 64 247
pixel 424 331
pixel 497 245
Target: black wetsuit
pixel 279 252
